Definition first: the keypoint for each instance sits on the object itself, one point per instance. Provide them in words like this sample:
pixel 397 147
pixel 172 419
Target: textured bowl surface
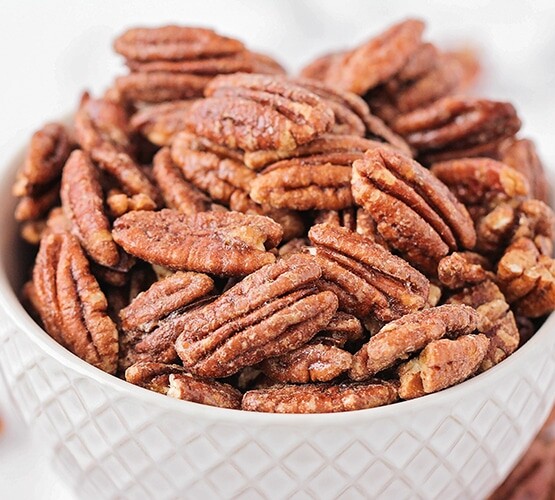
pixel 110 439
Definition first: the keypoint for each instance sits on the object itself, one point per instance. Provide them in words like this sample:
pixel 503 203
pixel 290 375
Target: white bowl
pixel 111 439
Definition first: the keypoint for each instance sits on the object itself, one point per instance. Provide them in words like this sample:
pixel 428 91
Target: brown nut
pixel 174 43
pixel 221 243
pixel 411 206
pixel 462 269
pixel 527 279
pixel 33 207
pixel 376 60
pixel 71 305
pixel 441 364
pixel 320 398
pixel 259 112
pixel 367 278
pixel 496 320
pixel 456 127
pixel 313 362
pixel 272 311
pixel 342 329
pixel 521 154
pixel 174 381
pixel 46 155
pixel 83 204
pixel 398 339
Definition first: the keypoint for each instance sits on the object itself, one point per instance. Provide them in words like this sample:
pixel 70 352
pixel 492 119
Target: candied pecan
pixel 396 340
pixel 527 279
pixel 160 86
pixel 70 303
pixel 313 362
pixel 32 231
pixel 496 320
pixel 376 60
pixel 521 154
pixel 457 127
pixel 82 201
pixel 366 277
pixel 342 329
pixel 441 364
pixel 411 206
pixel 174 381
pixel 161 122
pixel 164 297
pixel 46 155
pixel 481 182
pixel 272 311
pixel 354 219
pixel 318 69
pixel 33 207
pixel 259 112
pixel 320 398
pixel 296 245
pixel 119 203
pixel 461 269
pixel 176 191
pixel 469 59
pixel 174 43
pixel 321 182
pixel 221 243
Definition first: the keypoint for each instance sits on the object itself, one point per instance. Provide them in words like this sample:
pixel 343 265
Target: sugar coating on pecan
pixel 410 205
pixel 221 243
pixel 398 339
pixel 521 154
pixel 441 364
pixel 175 382
pixel 496 321
pixel 376 60
pixel 259 112
pixel 527 279
pixel 320 398
pixel 272 311
pixel 83 204
pixel 366 277
pixel 174 43
pixel 455 126
pixel 313 362
pixel 71 305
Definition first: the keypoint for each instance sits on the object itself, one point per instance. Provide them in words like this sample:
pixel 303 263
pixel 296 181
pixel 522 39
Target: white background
pixel 52 49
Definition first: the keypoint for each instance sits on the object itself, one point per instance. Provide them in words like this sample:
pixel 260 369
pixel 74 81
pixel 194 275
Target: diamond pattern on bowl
pixel 111 445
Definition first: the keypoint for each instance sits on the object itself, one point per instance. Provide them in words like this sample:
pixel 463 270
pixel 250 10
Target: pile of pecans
pixel 217 231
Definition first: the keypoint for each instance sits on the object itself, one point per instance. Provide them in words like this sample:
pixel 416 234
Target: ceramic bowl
pixel 110 439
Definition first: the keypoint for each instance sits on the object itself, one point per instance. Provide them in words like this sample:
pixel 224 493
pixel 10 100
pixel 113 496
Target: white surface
pixel 52 50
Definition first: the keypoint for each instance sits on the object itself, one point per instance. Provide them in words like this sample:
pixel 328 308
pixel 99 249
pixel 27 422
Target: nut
pixel 396 340
pixel 320 398
pixel 415 212
pixel 272 311
pixel 461 269
pixel 70 303
pixel 221 243
pixel 441 364
pixel 367 278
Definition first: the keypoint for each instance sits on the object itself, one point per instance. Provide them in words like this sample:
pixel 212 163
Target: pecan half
pixel 174 43
pixel 521 154
pixel 320 398
pixel 46 155
pixel 318 69
pixel 376 60
pixel 461 269
pixel 71 305
pixel 342 329
pixel 272 311
pixel 33 207
pixel 411 206
pixel 527 279
pixel 396 340
pixel 221 243
pixel 367 278
pixel 496 320
pixel 441 364
pixel 456 127
pixel 174 381
pixel 259 112
pixel 313 362
pixel 83 204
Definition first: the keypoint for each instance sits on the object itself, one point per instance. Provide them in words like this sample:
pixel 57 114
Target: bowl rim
pixel 14 310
